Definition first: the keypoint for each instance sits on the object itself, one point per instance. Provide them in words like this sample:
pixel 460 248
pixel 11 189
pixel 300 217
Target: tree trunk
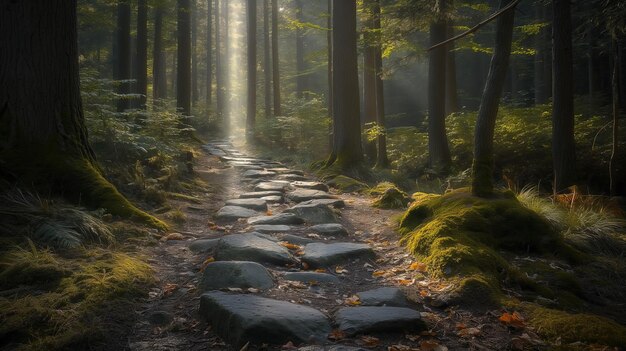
pixel 329 43
pixel 159 64
pixel 482 168
pixel 439 152
pixel 381 156
pixel 44 140
pixel 275 60
pixel 267 64
pixel 251 110
pixel 563 145
pixel 541 86
pixel 452 99
pixel 300 64
pixel 369 76
pixel 183 77
pixel 616 106
pixel 142 53
pixel 195 94
pixel 226 64
pixel 347 151
pixel 219 67
pixel 123 53
pixel 209 54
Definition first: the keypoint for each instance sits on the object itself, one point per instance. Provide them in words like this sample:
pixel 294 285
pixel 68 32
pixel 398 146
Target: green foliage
pixel 388 196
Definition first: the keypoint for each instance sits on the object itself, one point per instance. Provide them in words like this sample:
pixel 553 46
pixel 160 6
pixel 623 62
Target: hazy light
pixel 237 75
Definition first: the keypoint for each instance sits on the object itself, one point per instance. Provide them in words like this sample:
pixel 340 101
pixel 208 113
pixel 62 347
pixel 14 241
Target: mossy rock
pixel 389 196
pixel 346 184
pixel 571 328
pixel 459 236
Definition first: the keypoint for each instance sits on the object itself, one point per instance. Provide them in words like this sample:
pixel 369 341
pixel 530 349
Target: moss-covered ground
pixel 498 253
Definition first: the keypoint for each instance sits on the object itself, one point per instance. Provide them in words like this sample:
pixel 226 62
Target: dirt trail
pixel 170 318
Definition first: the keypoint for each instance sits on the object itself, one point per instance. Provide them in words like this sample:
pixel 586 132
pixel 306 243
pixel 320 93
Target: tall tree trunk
pixel 219 67
pixel 142 53
pixel 209 53
pixel 381 140
pixel 452 100
pixel 267 64
pixel 347 151
pixel 541 86
pixel 183 86
pixel 482 168
pixel 369 76
pixel 300 64
pixel 275 60
pixel 616 107
pixel 329 44
pixel 195 94
pixel 251 110
pixel 44 140
pixel 123 52
pixel 159 64
pixel 226 63
pixel 438 149
pixel 563 145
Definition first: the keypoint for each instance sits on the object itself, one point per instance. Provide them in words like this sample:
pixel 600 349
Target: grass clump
pixel 346 184
pixel 389 196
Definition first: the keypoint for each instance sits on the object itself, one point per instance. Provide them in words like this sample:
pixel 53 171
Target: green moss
pixel 389 196
pixel 183 197
pixel 346 184
pixel 89 302
pixel 571 328
pixel 76 178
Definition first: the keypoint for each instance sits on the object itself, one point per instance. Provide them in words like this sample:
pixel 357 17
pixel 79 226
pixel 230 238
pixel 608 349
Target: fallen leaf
pixel 290 246
pixel 432 345
pixel 173 236
pixel 460 326
pixel 370 341
pixel 378 273
pixel 405 282
pixel 320 270
pixel 424 293
pixel 235 289
pixel 468 332
pixel 305 266
pixel 268 213
pixel 206 263
pixel 253 290
pixel 514 320
pixel 400 347
pixel 336 334
pixel 417 266
pixel 341 270
pixel 412 337
pixel 353 300
pixel 169 288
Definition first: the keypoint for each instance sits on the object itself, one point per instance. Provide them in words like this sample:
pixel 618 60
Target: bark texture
pixel 275 60
pixel 251 108
pixel 482 168
pixel 369 76
pixel 267 64
pixel 142 53
pixel 159 64
pixel 183 76
pixel 123 60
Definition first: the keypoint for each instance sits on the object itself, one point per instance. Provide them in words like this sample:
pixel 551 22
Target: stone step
pixel 314 214
pixel 271 186
pixel 329 229
pixel 257 174
pixel 311 277
pixel 241 318
pixel 369 319
pixel 203 245
pixel 385 296
pixel 281 218
pixel 269 228
pixel 253 204
pixel 310 185
pixel 252 247
pixel 235 274
pixel 324 255
pixel 336 203
pixel 233 213
pixel 259 194
pixel 300 195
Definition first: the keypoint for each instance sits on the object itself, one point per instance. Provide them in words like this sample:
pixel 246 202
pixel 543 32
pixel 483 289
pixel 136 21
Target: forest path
pixel 273 259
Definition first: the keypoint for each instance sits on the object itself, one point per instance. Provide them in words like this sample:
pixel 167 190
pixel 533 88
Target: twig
pixel 476 27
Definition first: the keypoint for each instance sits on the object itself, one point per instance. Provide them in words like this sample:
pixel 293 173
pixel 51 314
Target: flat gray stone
pixel 269 228
pixel 311 277
pixel 252 247
pixel 283 170
pixel 270 186
pixel 336 203
pixel 292 177
pixel 311 185
pixel 233 213
pixel 235 274
pixel 385 296
pixel 273 199
pixel 253 204
pixel 300 195
pixel 323 255
pixel 281 218
pixel 314 214
pixel 241 318
pixel 329 229
pixel 203 245
pixel 238 158
pixel 259 194
pixel 368 319
pixel 257 174
pixel 294 239
pixel 331 348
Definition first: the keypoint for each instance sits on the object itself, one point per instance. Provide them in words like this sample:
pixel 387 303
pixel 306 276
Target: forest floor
pixel 170 318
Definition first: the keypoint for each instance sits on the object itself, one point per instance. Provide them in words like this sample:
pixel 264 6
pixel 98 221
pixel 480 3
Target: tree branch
pixel 476 27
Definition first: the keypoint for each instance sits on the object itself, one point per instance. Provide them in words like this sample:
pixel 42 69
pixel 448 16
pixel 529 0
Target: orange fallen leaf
pixel 299 253
pixel 336 334
pixel 424 293
pixel 290 246
pixel 353 300
pixel 268 213
pixel 173 236
pixel 169 288
pixel 378 273
pixel 405 282
pixel 341 270
pixel 468 332
pixel 460 326
pixel 432 345
pixel 320 270
pixel 206 263
pixel 417 266
pixel 514 320
pixel 305 265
